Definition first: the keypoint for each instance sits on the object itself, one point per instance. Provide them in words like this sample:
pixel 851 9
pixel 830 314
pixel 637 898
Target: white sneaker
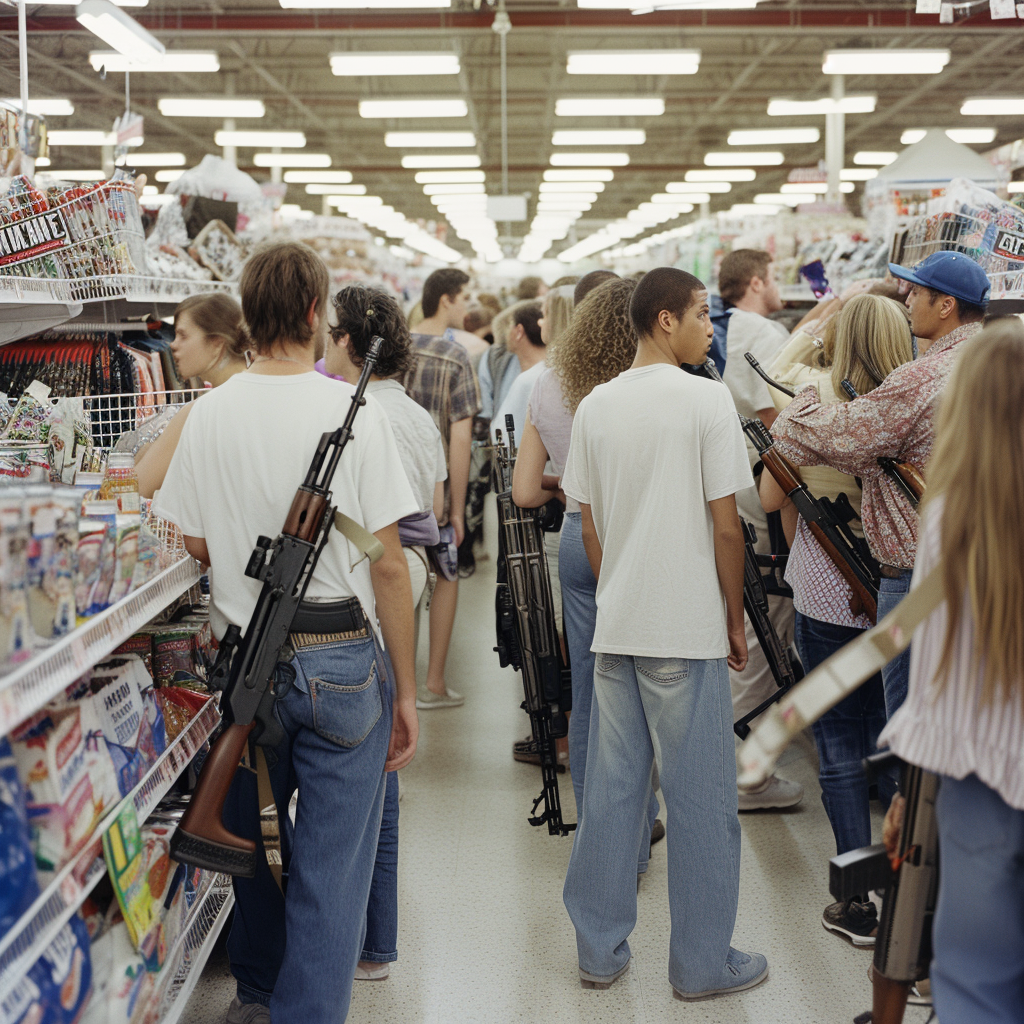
pixel 775 793
pixel 376 973
pixel 426 699
pixel 246 1013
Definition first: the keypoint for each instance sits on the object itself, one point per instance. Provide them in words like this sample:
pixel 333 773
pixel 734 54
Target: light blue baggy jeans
pixel 678 713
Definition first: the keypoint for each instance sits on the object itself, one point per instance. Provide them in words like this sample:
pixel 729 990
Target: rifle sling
pixel 359 537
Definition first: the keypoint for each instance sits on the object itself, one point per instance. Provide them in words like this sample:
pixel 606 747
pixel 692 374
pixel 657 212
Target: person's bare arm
pixel 458 468
pixel 772 496
pixel 196 547
pixel 591 544
pixel 392 591
pixel 729 555
pixel 528 489
pixel 152 461
pixel 438 505
pixel 767 416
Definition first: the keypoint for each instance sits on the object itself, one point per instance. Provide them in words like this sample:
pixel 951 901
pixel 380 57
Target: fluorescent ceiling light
pixel 447 177
pixel 885 62
pixel 456 188
pixel 558 206
pixel 172 61
pixel 1014 187
pixel 292 160
pixel 256 139
pixel 602 174
pixel 633 62
pixel 413 108
pixel 322 177
pixel 774 137
pixel 460 201
pixel 745 209
pixel 441 160
pixel 964 135
pixel 420 140
pixel 350 5
pixel 357 202
pixel 580 197
pixel 614 107
pixel 169 175
pixel 874 157
pixel 332 189
pixel 995 105
pixel 613 137
pixel 589 159
pixel 698 186
pixel 784 198
pixel 547 187
pixel 42 161
pixel 154 159
pixel 642 6
pixel 817 187
pixel 45 108
pixel 912 135
pixel 71 3
pixel 675 199
pixel 857 174
pixel 726 174
pixel 221 106
pixel 72 137
pixel 414 63
pixel 797 108
pixel 767 158
pixel 77 175
pixel 117 29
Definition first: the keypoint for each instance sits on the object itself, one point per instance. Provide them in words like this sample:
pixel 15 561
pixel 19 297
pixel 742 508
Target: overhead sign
pixel 34 236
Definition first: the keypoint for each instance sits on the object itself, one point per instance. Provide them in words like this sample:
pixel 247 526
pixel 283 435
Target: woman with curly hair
pixel 598 344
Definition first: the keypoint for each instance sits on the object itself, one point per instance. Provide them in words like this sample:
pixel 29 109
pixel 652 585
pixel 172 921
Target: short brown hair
pixel 280 281
pixel 217 316
pixel 446 281
pixel 738 269
pixel 528 288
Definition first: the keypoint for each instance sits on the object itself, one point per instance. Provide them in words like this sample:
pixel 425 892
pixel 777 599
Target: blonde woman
pixel 558 309
pixel 964 713
pixel 863 343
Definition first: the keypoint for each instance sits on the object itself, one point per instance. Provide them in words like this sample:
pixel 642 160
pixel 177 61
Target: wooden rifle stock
pixel 907 478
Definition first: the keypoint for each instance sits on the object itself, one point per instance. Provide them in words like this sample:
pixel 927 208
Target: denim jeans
pixel 978 966
pixel 677 713
pixel 844 735
pixel 337 721
pixel 381 943
pixel 579 615
pixel 895 675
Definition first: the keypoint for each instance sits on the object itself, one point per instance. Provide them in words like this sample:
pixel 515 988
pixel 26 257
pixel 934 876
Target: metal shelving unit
pixel 28 685
pixel 69 887
pixel 131 287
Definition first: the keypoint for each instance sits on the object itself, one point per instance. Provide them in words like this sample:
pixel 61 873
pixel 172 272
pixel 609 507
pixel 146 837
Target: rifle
pixel 527 636
pixel 247 664
pixel 907 478
pixel 756 366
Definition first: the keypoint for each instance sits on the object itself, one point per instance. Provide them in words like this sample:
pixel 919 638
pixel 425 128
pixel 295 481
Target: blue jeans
pixel 381 943
pixel 895 675
pixel 844 735
pixel 679 714
pixel 977 971
pixel 337 720
pixel 579 619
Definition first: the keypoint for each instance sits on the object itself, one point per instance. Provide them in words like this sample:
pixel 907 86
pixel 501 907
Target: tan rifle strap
pixel 359 537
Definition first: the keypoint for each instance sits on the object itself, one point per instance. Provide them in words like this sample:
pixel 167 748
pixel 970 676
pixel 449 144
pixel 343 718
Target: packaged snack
pixel 122 986
pixel 179 707
pixel 5 410
pixel 140 644
pixel 16 637
pixel 126 541
pixel 174 654
pixel 18 885
pixel 59 582
pixel 149 558
pixel 42 518
pixel 90 545
pixel 121 482
pixel 63 974
pixel 29 415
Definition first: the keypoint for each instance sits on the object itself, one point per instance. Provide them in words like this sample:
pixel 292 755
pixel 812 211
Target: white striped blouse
pixel 948 731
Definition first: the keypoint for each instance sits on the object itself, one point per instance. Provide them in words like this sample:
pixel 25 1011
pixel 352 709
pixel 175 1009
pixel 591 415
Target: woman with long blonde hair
pixel 964 713
pixel 863 343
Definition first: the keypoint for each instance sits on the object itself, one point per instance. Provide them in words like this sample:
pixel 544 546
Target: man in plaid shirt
pixel 442 380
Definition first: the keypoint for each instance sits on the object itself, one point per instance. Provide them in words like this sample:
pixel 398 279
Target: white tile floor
pixel 483 935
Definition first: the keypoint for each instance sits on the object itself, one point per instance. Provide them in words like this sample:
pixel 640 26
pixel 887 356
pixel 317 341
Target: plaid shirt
pixel 894 420
pixel 441 379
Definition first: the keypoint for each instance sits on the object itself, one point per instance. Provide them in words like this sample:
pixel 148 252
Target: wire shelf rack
pixel 139 288
pixel 30 684
pixel 22 946
pixel 114 415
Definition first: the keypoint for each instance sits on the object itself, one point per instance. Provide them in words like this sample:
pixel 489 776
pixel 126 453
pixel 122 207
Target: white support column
pixel 835 142
pixel 276 173
pixel 107 160
pixel 230 153
pixel 325 207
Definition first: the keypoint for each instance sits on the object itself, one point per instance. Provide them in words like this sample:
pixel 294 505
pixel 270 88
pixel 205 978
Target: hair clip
pixel 369 313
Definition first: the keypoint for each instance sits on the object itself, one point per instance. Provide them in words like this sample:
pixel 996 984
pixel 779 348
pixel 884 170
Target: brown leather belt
pixel 892 572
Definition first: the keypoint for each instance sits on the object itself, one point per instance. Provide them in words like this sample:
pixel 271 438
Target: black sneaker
pixel 657 831
pixel 855 921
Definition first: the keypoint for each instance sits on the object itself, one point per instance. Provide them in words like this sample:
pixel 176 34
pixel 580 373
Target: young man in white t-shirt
pixel 655 461
pixel 243 453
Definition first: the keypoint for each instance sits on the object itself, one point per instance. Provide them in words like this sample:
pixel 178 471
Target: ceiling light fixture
pixel 746 209
pixel 596 174
pixel 447 177
pixel 549 187
pixel 568 197
pixel 441 160
pixel 220 106
pixel 421 140
pixel 77 137
pixel 773 137
pixel 456 188
pixel 611 137
pixel 801 108
pixel 767 158
pixel 698 186
pixel 633 62
pixel 352 5
pixel 589 159
pixel 45 108
pixel 117 29
pixel 676 199
pixel 995 105
pixel 874 157
pixel 817 187
pixel 173 62
pixel 412 108
pixel 321 177
pixel 612 107
pixel 353 63
pixel 257 139
pixel 979 136
pixel 329 189
pixel 292 160
pixel 155 160
pixel 76 175
pixel 784 198
pixel 643 6
pixel 885 62
pixel 169 175
pixel 725 174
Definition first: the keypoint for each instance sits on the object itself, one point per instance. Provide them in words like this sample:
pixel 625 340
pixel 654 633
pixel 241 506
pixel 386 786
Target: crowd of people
pixel 655 476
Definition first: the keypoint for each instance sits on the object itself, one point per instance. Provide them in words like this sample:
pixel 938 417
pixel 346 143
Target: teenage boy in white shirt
pixel 242 455
pixel 655 461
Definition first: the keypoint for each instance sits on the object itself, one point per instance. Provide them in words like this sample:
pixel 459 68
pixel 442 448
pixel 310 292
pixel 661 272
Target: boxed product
pixel 63 975
pixel 122 987
pixel 16 637
pixel 18 886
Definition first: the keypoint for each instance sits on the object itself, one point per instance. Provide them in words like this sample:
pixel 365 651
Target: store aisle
pixel 483 934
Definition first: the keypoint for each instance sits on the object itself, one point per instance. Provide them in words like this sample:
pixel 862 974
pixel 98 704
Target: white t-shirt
pixel 243 453
pixel 751 332
pixel 516 401
pixel 649 450
pixel 418 439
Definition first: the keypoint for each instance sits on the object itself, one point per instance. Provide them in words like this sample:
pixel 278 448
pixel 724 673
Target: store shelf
pixel 28 685
pixel 796 293
pixel 23 319
pixel 130 287
pixel 67 891
pixel 193 948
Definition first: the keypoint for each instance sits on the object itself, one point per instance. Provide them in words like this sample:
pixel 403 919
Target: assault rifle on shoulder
pixel 527 635
pixel 247 664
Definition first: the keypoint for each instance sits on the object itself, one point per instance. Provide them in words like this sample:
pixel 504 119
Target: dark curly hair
pixel 364 312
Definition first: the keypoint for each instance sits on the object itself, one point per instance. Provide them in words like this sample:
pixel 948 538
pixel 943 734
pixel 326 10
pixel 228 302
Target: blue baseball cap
pixel 951 273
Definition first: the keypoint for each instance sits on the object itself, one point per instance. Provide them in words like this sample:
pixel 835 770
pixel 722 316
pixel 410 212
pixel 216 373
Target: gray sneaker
pixel 774 794
pixel 744 970
pixel 246 1013
pixel 426 699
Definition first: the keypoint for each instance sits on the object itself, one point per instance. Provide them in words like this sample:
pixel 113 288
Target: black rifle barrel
pixel 749 356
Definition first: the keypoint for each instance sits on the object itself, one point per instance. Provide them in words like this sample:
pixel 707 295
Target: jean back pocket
pixel 345 690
